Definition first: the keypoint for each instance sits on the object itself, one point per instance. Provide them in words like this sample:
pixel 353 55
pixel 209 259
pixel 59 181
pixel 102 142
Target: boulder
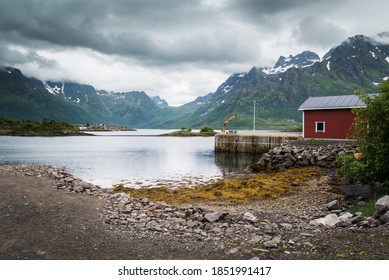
pixel 212 216
pixel 385 218
pixel 249 217
pixel 357 219
pixel 333 205
pixel 382 204
pixel 328 221
pixel 288 163
pixel 345 216
pixel 286 150
pixel 373 222
pixel 277 150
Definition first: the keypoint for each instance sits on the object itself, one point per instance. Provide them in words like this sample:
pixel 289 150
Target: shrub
pixel 206 129
pixel 371 129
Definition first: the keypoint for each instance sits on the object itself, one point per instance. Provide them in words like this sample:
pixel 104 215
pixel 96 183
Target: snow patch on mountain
pixel 53 90
pixel 227 88
pixel 302 60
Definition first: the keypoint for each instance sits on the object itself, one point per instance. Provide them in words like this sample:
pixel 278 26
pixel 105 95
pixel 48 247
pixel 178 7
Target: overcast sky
pixel 177 49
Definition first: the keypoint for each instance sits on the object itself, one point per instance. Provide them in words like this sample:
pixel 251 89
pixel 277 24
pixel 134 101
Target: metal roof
pixel 332 102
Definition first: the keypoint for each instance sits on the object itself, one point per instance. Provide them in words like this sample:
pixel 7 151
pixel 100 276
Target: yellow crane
pixel 226 122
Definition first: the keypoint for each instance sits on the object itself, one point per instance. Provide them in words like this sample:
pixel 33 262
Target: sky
pixel 176 49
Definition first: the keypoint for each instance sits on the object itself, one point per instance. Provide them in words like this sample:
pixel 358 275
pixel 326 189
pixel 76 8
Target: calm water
pixel 127 158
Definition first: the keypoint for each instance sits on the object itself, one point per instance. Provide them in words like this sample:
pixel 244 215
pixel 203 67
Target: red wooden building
pixel 329 117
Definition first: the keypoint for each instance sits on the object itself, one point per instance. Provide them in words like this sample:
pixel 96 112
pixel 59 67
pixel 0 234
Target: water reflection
pixel 132 161
pixel 234 162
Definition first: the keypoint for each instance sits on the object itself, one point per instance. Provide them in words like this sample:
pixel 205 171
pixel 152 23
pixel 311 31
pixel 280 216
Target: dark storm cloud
pixel 9 56
pixel 147 30
pixel 154 32
pixel 267 7
pixel 272 12
pixel 318 32
pixel 171 47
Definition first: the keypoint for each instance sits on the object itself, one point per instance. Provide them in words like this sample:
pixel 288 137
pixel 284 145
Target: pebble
pixel 285 230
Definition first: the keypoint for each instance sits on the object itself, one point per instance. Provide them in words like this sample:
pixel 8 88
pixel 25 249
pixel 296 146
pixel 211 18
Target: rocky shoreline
pixel 290 227
pixel 303 153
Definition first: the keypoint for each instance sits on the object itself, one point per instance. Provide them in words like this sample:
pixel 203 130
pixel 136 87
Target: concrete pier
pixel 250 143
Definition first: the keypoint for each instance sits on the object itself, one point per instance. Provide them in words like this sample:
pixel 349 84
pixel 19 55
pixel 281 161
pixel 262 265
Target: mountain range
pixel 358 63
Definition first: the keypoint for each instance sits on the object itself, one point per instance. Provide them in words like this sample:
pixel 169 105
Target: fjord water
pixel 126 158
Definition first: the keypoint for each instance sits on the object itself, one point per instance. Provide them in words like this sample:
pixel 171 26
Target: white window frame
pixel 324 127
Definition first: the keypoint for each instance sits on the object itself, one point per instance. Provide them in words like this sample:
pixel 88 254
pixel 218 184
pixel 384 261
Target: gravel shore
pixel 48 214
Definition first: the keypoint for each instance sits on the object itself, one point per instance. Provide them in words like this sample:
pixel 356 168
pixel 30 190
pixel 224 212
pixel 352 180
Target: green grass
pixel 367 209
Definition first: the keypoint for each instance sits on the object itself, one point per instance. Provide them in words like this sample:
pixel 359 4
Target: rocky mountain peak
pixel 161 103
pixel 359 40
pixel 301 60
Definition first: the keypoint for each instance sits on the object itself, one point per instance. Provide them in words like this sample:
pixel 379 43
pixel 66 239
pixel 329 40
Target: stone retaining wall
pixel 301 153
pixel 237 143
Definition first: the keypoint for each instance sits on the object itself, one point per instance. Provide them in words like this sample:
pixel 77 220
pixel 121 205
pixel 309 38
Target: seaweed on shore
pixel 262 186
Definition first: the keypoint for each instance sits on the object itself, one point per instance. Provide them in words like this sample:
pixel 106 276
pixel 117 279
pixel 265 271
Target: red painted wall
pixel 337 123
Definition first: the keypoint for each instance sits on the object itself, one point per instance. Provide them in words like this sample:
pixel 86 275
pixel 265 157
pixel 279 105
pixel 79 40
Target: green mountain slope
pixel 27 98
pixel 359 63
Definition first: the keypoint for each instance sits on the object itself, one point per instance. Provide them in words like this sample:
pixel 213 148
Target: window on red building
pixel 320 127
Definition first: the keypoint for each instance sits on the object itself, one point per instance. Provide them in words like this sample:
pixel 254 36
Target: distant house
pixel 329 117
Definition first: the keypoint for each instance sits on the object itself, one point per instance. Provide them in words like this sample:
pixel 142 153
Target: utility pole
pixel 254 116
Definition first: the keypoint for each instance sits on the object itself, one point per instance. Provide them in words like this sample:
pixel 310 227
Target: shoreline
pixel 266 229
pixel 46 135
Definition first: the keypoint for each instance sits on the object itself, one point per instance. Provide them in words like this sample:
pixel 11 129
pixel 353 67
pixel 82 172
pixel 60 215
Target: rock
pixel 345 216
pixel 233 250
pixel 361 203
pixel 287 150
pixel 286 156
pixel 357 219
pixel 328 221
pixel 249 217
pixel 212 217
pixel 69 181
pixel 343 223
pixel 256 239
pixel 277 150
pixel 373 222
pixel 273 243
pixel 320 158
pixel 142 216
pixel 266 157
pixel 306 234
pixel 78 189
pixel 385 218
pixel 192 224
pixel 382 204
pixel 288 163
pixel 333 205
pixel 145 201
pixel 286 225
